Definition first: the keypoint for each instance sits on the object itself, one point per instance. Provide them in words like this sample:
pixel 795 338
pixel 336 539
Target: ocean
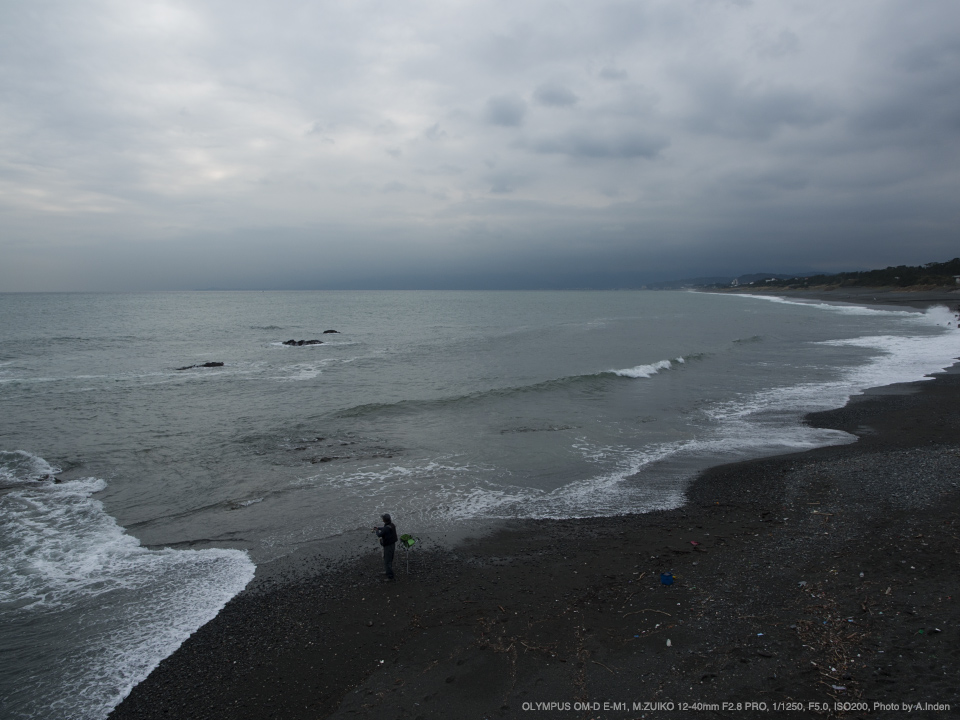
pixel 447 409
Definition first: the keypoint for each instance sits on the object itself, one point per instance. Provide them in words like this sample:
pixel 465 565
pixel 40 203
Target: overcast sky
pixel 311 144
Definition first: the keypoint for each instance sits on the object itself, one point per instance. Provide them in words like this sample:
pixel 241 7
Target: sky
pixel 306 144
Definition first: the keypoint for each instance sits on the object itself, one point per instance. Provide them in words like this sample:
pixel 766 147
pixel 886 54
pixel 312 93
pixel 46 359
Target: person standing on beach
pixel 388 538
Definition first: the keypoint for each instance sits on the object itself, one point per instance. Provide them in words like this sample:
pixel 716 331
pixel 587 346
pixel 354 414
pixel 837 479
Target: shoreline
pixel 768 606
pixel 920 299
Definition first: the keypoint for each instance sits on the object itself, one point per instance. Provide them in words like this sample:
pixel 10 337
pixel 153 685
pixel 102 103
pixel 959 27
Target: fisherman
pixel 388 538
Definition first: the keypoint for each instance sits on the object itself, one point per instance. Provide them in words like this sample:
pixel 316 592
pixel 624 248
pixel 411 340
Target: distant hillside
pixel 902 276
pixel 722 281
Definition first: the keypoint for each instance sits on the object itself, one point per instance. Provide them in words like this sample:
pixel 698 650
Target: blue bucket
pixel 666 578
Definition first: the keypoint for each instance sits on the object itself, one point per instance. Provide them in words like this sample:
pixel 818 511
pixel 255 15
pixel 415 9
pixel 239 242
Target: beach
pixel 820 583
pixel 917 298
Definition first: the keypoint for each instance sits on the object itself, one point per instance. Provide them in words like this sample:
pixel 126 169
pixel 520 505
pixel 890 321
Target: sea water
pixel 443 408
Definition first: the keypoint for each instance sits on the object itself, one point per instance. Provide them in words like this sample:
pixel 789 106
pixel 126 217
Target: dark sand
pixel 830 576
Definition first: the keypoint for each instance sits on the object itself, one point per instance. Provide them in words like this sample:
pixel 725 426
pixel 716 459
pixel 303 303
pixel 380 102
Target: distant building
pixel 956 279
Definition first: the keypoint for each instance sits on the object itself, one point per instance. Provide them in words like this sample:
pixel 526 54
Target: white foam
pixel 601 495
pixel 940 315
pixel 30 380
pixel 302 371
pixel 901 359
pixel 423 489
pixel 758 424
pixel 645 371
pixel 115 608
pixel 769 421
pixel 373 482
pixel 19 466
pixel 849 309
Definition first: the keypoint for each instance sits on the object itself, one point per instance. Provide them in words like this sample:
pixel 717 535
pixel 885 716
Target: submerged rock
pixel 298 343
pixel 206 364
pixel 327 332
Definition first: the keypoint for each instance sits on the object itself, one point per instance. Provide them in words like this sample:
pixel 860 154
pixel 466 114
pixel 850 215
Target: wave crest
pixel 19 466
pixel 645 371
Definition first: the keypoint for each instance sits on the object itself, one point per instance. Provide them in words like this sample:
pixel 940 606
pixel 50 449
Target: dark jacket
pixel 387 534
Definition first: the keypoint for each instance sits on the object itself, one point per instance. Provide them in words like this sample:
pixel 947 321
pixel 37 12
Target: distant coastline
pixel 919 285
pixel 917 297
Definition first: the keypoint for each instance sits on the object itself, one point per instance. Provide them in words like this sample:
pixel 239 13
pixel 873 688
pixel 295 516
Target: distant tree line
pixel 931 274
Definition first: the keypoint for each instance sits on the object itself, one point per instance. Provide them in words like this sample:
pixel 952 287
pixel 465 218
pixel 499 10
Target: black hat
pixel 385 517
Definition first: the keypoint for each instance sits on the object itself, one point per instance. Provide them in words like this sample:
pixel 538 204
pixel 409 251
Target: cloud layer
pixel 171 144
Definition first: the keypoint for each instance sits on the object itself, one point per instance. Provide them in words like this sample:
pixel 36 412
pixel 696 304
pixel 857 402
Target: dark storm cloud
pixel 921 102
pixel 207 143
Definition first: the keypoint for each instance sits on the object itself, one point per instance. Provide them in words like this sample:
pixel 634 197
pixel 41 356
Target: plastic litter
pixel 666 578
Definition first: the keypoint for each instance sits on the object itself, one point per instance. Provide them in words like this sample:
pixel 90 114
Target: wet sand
pixel 801 581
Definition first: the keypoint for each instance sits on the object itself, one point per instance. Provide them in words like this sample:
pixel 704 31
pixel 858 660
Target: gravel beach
pixel 818 584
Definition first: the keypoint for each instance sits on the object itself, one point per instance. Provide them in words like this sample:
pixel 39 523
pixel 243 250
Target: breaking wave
pixel 645 371
pixel 640 371
pixel 113 608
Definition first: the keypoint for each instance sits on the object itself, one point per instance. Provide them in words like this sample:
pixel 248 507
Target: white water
pixel 73 590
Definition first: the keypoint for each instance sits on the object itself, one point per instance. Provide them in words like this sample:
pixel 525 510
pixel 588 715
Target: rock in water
pixel 207 364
